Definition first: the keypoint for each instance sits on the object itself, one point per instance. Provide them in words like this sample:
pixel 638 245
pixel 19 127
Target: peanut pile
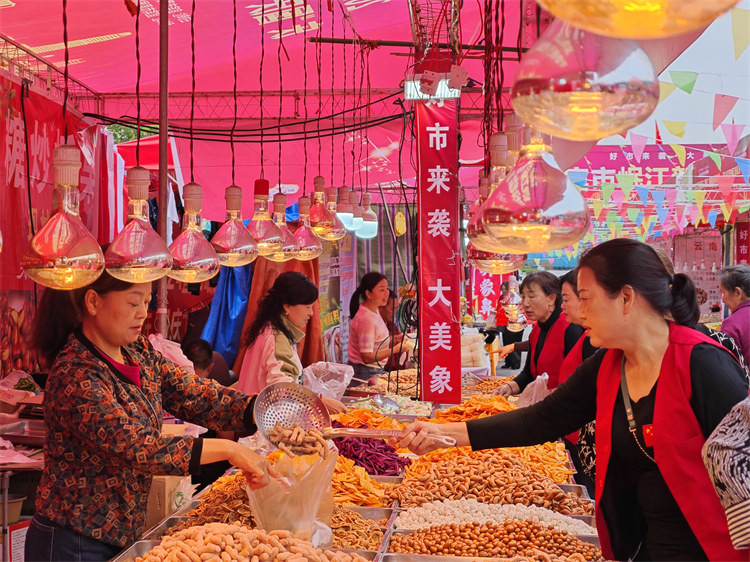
pixel 352 530
pixel 298 441
pixel 507 539
pixel 219 542
pixel 492 476
pixel 225 502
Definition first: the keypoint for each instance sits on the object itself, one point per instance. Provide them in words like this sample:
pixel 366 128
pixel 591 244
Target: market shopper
pixel 370 342
pixel 103 405
pixel 272 338
pixel 552 337
pixel 656 394
pixel 510 338
pixel 735 293
pixel 388 313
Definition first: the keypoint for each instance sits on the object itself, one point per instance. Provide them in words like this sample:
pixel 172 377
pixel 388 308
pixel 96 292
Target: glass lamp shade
pixel 579 86
pixel 310 246
pixel 63 254
pixel 369 228
pixel 638 19
pixel 490 262
pixel 337 230
pixel 475 227
pixel 264 231
pixel 138 254
pixel 321 219
pixel 289 248
pixel 536 208
pixel 233 244
pixel 513 306
pixel 356 211
pixel 345 210
pixel 194 259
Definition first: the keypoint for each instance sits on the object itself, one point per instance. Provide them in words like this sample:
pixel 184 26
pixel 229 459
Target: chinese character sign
pixel 439 258
pixel 742 244
pixel 486 291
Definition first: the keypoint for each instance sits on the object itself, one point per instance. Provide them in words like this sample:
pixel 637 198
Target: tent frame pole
pixel 161 295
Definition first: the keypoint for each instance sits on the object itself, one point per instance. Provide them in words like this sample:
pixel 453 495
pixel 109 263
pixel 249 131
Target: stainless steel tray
pixel 396 557
pixel 588 519
pixel 388 479
pixel 373 513
pixel 135 550
pixel 161 529
pixel 366 554
pixel 26 432
pixel 189 506
pixel 576 489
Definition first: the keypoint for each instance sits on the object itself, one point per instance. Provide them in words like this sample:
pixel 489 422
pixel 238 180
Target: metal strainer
pixel 287 404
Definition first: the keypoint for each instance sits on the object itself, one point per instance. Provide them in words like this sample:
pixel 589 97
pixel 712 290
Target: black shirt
pixel 639 505
pixel 572 334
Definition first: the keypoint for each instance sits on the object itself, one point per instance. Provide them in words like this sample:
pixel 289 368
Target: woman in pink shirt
pixel 273 336
pixel 370 343
pixel 735 292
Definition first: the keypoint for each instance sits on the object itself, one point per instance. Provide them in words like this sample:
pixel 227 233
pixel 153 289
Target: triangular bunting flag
pixel 618 197
pixel 578 177
pixel 690 194
pixel 712 215
pixel 618 228
pixel 537 261
pixel 665 88
pixel 643 192
pixel 677 128
pixel 680 151
pixel 639 219
pixel 723 104
pixel 684 80
pixel 658 197
pixel 726 188
pixel 691 213
pixel 744 209
pixel 679 212
pixel 671 195
pixel 626 183
pixel 740 31
pixel 662 213
pixel 715 157
pixel 551 260
pixel 726 211
pixel 607 189
pixel 700 196
pixel 657 133
pixel 633 213
pixel 638 142
pixel 598 205
pixel 744 165
pixel 732 132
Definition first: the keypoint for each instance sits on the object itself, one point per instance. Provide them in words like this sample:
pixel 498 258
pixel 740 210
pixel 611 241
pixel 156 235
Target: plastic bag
pixel 535 392
pixel 327 379
pixel 305 507
pixel 171 350
pixel 183 494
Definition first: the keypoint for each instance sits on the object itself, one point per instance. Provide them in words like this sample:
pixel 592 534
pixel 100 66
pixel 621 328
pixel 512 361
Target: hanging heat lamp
pixel 194 259
pixel 264 231
pixel 579 86
pixel 63 254
pixel 310 246
pixel 289 248
pixel 234 245
pixel 475 228
pixel 536 208
pixel 491 262
pixel 369 228
pixel 321 219
pixel 356 211
pixel 512 304
pixel 345 210
pixel 138 254
pixel 338 230
pixel 638 19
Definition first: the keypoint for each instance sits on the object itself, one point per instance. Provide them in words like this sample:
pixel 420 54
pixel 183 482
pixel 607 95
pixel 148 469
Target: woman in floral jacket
pixel 105 393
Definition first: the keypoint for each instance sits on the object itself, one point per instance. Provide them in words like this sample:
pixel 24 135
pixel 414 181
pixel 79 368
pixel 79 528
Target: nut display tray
pixel 161 529
pixel 26 432
pixel 137 549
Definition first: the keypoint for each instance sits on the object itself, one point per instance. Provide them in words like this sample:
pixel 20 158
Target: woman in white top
pixel 370 343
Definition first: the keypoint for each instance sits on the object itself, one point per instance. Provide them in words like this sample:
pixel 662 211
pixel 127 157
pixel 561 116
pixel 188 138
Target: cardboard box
pixel 161 497
pixel 17 533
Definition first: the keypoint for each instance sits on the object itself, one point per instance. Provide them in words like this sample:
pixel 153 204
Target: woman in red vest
pixel 656 394
pixel 552 337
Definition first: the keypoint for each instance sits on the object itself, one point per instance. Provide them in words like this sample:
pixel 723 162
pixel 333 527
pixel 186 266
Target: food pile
pixel 474 408
pixel 352 530
pixel 221 541
pixel 507 539
pixel 406 406
pixel 490 385
pixel 353 486
pixel 407 384
pixel 374 455
pixel 224 502
pixel 298 441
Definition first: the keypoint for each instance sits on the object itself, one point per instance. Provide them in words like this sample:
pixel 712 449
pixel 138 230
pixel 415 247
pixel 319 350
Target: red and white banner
pixel 486 291
pixel 742 243
pixel 439 256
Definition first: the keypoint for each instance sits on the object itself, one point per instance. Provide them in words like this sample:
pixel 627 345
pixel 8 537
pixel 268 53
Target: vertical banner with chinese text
pixel 486 291
pixel 439 255
pixel 742 243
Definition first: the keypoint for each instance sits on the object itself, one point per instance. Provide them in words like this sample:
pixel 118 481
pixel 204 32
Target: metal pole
pixel 4 480
pixel 164 191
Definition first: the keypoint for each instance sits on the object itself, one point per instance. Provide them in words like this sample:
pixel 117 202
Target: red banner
pixel 742 243
pixel 486 290
pixel 439 256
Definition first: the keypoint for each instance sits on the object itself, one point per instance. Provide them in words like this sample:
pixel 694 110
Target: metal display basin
pixel 161 529
pixel 388 479
pixel 366 554
pixel 140 548
pixel 373 513
pixel 576 489
pixel 25 432
pixel 398 557
pixel 189 506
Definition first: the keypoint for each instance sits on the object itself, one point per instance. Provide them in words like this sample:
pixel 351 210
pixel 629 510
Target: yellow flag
pixel 700 196
pixel 680 151
pixel 598 205
pixel 740 31
pixel 677 128
pixel 665 88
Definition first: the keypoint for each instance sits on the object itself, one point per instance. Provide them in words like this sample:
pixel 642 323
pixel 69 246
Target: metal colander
pixel 287 403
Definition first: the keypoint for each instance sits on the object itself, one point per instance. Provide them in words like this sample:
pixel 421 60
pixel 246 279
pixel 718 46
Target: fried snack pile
pixel 297 441
pixel 221 542
pixel 474 408
pixel 363 417
pixel 353 486
pixel 352 530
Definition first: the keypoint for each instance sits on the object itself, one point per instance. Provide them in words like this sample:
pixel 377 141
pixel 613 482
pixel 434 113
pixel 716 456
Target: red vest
pixel 553 351
pixel 678 440
pixel 571 362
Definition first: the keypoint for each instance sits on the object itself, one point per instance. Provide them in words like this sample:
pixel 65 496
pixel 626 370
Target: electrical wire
pixel 138 84
pixel 262 59
pixel 234 89
pixel 192 91
pixel 67 62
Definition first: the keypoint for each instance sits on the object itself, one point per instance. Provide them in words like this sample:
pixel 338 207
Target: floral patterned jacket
pixel 104 439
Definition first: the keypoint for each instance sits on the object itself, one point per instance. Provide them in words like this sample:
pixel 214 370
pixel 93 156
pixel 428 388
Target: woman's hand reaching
pixel 417 436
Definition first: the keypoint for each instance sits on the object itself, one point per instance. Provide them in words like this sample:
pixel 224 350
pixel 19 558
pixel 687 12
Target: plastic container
pixel 15 502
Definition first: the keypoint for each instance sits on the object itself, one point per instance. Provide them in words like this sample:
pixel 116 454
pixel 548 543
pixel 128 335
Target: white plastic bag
pixel 171 350
pixel 535 392
pixel 327 379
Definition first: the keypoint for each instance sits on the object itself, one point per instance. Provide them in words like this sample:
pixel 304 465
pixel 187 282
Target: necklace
pixel 629 410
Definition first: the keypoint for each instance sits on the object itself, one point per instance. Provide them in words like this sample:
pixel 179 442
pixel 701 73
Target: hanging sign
pixel 742 245
pixel 486 289
pixel 439 256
